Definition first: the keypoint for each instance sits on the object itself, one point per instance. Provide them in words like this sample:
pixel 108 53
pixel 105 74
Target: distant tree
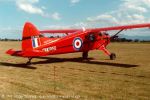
pixel 136 40
pixel 5 39
pixel 129 40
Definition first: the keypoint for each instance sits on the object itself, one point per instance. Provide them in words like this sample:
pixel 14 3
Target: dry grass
pixel 126 78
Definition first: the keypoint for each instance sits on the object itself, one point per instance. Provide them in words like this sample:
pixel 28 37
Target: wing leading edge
pixel 124 27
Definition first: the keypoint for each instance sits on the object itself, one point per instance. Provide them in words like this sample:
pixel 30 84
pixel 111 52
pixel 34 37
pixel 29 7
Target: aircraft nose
pixel 107 39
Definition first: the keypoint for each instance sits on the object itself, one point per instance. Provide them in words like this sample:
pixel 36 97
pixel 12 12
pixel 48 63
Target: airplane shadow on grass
pixel 50 60
pixel 17 65
pixel 80 60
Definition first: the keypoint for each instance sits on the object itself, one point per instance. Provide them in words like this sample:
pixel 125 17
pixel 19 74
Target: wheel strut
pixel 85 55
pixel 29 62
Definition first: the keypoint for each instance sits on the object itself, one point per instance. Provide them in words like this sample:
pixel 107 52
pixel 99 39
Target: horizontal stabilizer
pixel 33 53
pixel 14 53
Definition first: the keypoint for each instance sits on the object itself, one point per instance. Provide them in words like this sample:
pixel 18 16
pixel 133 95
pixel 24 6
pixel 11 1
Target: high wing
pixel 125 27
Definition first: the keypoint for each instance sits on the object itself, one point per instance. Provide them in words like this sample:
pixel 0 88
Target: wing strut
pixel 117 33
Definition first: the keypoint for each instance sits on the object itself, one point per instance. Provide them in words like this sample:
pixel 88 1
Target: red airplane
pixel 34 44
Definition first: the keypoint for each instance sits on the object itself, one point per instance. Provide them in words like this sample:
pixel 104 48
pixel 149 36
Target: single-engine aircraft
pixel 34 44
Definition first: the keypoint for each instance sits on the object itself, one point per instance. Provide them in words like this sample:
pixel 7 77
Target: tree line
pixel 128 40
pixel 6 39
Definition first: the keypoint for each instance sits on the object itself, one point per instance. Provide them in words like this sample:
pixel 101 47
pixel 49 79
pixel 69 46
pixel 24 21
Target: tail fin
pixel 30 37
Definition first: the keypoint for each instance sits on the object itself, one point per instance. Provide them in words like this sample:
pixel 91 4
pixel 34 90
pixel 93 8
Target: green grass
pixel 126 78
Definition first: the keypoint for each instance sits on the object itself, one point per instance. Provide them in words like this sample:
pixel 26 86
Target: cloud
pixel 13 33
pixel 136 8
pixel 56 16
pixel 104 16
pixel 140 17
pixel 103 19
pixel 55 27
pixel 74 1
pixel 29 6
pixel 129 12
pixel 135 5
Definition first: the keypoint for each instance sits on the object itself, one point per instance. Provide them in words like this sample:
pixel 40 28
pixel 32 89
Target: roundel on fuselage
pixel 77 43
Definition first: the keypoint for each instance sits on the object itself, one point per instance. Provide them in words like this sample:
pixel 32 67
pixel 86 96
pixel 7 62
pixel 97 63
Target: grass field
pixel 67 77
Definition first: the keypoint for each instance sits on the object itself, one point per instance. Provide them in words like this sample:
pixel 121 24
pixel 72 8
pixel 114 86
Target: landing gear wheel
pixel 85 55
pixel 112 56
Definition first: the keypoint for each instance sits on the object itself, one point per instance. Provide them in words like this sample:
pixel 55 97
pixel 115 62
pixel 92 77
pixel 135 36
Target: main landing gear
pixel 85 55
pixel 29 62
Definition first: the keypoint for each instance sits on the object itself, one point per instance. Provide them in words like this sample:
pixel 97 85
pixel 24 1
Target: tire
pixel 112 56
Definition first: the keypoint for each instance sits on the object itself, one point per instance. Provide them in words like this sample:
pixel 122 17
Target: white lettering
pixel 49 49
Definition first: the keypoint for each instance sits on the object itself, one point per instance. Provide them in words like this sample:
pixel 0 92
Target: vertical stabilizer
pixel 30 36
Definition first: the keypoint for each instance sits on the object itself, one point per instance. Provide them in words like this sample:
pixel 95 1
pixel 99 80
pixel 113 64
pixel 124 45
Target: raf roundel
pixel 77 43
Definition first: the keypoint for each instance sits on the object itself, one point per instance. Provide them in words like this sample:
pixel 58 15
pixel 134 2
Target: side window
pixel 92 37
pixel 100 34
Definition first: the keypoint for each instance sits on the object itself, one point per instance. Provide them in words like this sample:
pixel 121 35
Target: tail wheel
pixel 112 56
pixel 28 63
pixel 85 55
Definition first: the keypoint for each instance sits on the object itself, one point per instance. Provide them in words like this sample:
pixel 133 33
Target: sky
pixel 60 14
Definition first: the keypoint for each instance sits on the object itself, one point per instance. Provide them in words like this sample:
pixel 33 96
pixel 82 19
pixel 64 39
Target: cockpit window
pixel 103 33
pixel 100 34
pixel 41 35
pixel 91 37
pixel 53 35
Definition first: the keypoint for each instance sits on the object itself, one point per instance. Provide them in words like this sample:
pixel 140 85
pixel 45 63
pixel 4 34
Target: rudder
pixel 30 37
